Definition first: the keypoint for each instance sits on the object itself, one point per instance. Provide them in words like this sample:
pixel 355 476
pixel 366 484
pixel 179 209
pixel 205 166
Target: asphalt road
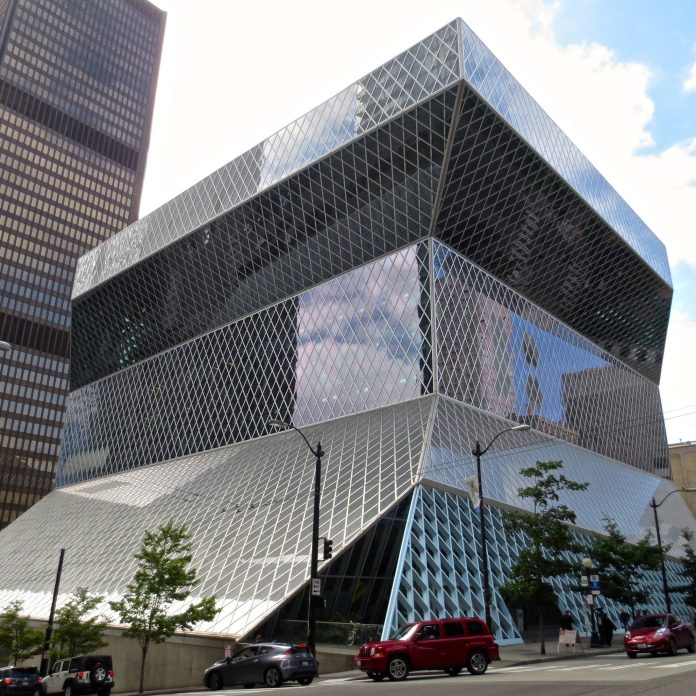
pixel 610 675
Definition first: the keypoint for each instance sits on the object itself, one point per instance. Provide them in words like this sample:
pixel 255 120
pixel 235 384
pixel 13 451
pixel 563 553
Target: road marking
pixel 339 680
pixel 606 669
pixel 673 665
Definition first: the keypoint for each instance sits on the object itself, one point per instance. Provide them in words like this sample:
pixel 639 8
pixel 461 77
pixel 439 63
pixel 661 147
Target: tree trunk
pixel 142 670
pixel 541 631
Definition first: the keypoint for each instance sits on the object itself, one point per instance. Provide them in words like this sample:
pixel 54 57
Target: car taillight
pixel 288 652
pixel 80 675
pixel 112 674
pixel 7 680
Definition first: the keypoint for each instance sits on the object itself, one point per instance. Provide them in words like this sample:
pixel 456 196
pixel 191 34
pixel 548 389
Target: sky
pixel 618 76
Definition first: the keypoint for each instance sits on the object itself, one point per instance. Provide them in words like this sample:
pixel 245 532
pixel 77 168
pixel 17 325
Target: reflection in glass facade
pixel 77 83
pixel 403 271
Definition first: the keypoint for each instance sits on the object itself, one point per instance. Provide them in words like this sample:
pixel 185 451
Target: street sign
pixel 316 586
pixel 583 580
pixel 594 578
pixel 595 592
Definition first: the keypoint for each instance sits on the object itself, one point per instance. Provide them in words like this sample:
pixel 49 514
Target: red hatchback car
pixel 657 633
pixel 447 644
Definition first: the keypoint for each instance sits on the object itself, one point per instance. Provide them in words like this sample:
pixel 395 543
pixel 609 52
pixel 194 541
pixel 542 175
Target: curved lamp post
pixel 5 347
pixel 654 506
pixel 478 453
pixel 314 569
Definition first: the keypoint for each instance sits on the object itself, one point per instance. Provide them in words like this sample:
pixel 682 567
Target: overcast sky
pixel 618 76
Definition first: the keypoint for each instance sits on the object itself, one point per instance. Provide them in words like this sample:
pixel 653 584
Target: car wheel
pixel 672 647
pixel 376 676
pixel 98 674
pixel 305 681
pixel 272 677
pixel 68 690
pixel 477 662
pixel 215 681
pixel 632 655
pixel 453 671
pixel 249 686
pixel 397 668
pixel 691 647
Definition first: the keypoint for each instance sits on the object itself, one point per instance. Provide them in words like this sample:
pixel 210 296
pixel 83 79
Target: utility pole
pixel 43 669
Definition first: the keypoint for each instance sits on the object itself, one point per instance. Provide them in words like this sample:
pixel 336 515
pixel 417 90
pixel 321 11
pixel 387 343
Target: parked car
pixel 447 644
pixel 83 674
pixel 17 681
pixel 263 663
pixel 657 633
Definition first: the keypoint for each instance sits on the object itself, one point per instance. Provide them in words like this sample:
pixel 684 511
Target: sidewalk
pixel 528 653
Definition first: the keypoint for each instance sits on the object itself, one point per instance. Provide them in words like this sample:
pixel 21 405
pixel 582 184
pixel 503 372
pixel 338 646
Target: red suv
pixel 448 644
pixel 656 633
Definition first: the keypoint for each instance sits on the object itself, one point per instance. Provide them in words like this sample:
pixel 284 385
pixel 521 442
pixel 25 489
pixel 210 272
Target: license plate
pixel 305 663
pixel 357 663
pixel 641 645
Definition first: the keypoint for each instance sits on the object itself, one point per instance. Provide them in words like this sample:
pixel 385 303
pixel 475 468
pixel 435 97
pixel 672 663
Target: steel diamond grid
pixel 499 352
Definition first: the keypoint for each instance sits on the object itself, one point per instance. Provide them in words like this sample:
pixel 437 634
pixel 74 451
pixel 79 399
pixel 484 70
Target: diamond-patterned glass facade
pixel 501 353
pixel 405 270
pixel 439 571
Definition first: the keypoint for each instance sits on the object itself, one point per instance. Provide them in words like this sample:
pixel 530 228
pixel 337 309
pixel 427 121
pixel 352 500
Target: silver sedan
pixel 263 663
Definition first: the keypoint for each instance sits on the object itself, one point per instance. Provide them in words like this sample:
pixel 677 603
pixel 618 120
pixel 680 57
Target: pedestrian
pixel 566 621
pixel 259 638
pixel 624 618
pixel 607 628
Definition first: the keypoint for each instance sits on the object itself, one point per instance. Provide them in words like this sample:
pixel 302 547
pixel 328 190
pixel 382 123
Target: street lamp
pixel 314 570
pixel 654 506
pixel 478 452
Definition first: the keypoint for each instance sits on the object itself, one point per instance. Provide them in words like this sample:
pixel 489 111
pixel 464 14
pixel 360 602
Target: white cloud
pixel 690 82
pixel 678 383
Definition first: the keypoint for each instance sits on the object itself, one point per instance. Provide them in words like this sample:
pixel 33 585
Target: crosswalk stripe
pixel 338 680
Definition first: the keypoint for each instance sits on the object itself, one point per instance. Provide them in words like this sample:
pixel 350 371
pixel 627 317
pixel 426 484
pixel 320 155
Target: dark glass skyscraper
pixel 77 87
pixel 422 262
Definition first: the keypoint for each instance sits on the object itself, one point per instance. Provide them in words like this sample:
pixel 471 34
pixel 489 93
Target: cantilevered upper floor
pixel 441 141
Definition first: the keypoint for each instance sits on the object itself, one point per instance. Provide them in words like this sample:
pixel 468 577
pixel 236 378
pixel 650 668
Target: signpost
pixel 591 581
pixel 316 587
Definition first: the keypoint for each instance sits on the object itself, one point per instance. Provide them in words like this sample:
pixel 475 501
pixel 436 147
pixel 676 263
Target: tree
pixel 549 539
pixel 622 566
pixel 17 639
pixel 76 634
pixel 162 581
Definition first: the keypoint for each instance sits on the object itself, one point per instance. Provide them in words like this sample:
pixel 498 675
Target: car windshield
pixel 648 622
pixel 404 633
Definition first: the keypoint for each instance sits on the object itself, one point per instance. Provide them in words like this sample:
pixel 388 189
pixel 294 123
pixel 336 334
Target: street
pixel 611 674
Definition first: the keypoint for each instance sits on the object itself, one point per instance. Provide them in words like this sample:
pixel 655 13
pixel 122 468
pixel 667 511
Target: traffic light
pixel 328 546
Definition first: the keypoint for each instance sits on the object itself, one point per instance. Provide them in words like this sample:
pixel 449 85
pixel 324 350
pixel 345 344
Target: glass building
pixel 77 84
pixel 419 263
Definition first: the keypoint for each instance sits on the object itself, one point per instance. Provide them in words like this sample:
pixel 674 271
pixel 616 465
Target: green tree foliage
pixel 17 639
pixel 622 566
pixel 75 633
pixel 549 537
pixel 162 582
